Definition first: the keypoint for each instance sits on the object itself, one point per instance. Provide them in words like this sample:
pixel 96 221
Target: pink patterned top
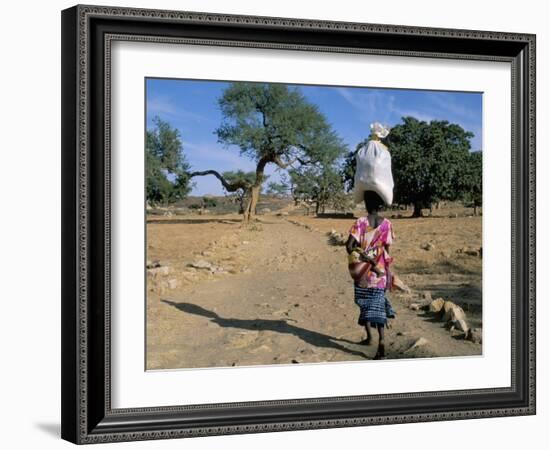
pixel 373 241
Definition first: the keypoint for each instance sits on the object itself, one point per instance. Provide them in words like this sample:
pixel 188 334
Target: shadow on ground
pixel 279 326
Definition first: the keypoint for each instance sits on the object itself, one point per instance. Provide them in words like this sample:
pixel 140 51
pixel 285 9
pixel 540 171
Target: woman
pixel 369 262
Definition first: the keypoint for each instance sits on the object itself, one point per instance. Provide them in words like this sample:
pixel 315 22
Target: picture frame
pixel 87 412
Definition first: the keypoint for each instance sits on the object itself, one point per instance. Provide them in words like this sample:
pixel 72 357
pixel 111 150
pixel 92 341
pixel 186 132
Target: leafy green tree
pixel 165 164
pixel 272 124
pixel 277 189
pixel 472 180
pixel 429 161
pixel 321 184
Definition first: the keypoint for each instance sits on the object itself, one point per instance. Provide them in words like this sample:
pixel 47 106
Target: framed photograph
pixel 279 224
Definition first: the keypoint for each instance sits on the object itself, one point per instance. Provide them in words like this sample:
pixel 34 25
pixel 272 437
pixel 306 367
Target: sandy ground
pixel 278 292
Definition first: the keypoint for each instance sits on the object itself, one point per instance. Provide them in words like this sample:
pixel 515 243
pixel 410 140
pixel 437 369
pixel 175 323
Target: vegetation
pixel 165 165
pixel 429 162
pixel 243 181
pixel 272 124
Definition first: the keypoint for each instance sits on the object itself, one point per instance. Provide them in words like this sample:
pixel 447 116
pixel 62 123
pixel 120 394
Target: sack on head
pixel 373 172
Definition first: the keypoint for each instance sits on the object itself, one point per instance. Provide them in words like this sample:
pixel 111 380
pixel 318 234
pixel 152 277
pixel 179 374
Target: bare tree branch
pixel 229 187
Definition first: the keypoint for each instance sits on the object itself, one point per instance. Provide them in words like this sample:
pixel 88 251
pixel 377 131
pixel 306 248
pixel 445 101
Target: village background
pixel 254 271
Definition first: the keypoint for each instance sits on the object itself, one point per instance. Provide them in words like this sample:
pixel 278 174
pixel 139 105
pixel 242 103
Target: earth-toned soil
pixel 278 291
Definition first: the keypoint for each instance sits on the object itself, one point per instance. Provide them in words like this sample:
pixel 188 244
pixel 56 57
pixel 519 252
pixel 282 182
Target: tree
pixel 429 161
pixel 166 166
pixel 472 180
pixel 321 184
pixel 277 189
pixel 272 124
pixel 244 181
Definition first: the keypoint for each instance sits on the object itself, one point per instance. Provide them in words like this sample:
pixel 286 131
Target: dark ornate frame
pixel 87 33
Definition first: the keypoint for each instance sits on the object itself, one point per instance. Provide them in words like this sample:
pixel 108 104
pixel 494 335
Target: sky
pixel 191 106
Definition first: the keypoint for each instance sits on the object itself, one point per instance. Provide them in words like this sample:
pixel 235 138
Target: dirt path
pixel 284 296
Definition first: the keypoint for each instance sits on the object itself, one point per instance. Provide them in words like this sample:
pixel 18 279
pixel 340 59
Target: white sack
pixel 373 172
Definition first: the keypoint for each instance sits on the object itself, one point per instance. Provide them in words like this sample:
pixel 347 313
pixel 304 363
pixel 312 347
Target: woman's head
pixel 373 201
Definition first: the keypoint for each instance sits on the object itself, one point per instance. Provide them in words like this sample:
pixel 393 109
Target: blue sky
pixel 191 106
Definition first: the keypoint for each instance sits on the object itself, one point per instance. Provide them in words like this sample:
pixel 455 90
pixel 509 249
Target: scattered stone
pixel 427 246
pixel 461 325
pixel 206 253
pixel 158 271
pixel 474 335
pixel 415 306
pixel 472 252
pixel 200 264
pixel 436 306
pixel 282 213
pixel 452 312
pixel 172 283
pixel 153 264
pixel 420 342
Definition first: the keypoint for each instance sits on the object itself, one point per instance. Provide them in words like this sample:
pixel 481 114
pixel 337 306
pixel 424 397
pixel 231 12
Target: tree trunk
pixel 250 210
pixel 417 210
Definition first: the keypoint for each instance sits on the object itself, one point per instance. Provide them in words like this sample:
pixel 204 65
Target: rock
pixel 415 306
pixel 158 271
pixel 474 335
pixel 172 283
pixel 427 246
pixel 472 252
pixel 265 210
pixel 282 213
pixel 153 264
pixel 403 333
pixel 461 325
pixel 246 242
pixel 420 342
pixel 452 312
pixel 436 306
pixel 200 264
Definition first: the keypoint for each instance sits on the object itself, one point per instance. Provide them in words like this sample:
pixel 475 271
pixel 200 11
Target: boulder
pixel 461 325
pixel 474 335
pixel 436 306
pixel 452 312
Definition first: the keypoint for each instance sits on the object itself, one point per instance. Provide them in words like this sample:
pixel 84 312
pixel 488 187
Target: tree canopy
pixel 166 166
pixel 273 124
pixel 429 161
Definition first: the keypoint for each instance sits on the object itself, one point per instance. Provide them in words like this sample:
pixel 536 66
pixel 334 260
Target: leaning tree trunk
pixel 250 209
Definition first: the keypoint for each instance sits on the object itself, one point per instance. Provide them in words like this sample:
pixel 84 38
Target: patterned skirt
pixel 374 307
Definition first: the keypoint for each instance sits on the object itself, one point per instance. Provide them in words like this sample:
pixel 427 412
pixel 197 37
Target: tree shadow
pixel 279 326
